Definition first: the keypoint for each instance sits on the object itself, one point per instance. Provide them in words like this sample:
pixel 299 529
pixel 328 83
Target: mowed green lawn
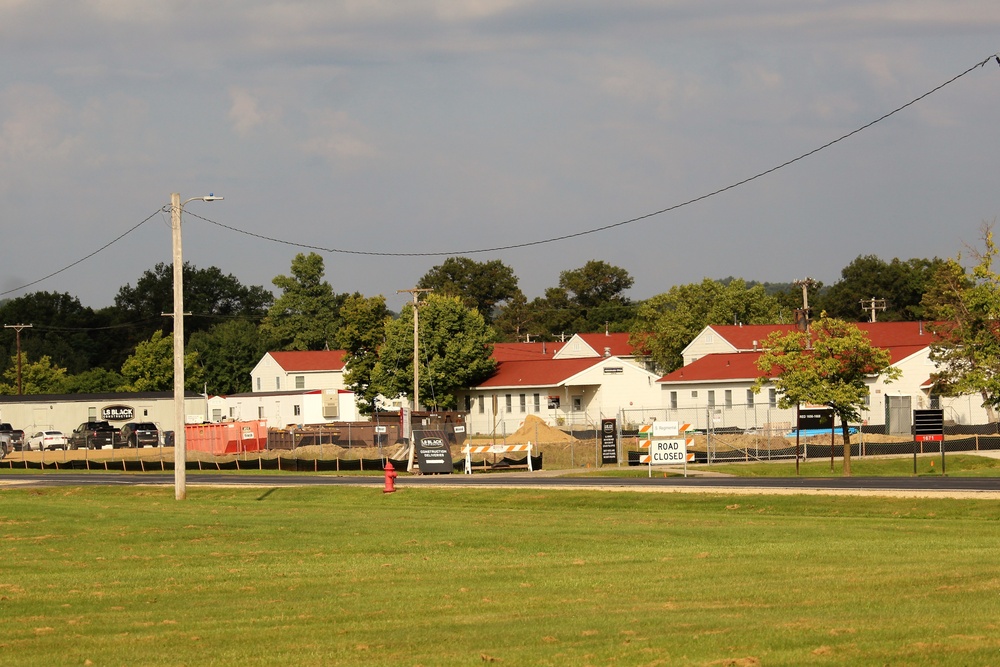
pixel 344 576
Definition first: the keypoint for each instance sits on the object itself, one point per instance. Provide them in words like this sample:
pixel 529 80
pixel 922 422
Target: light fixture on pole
pixel 180 439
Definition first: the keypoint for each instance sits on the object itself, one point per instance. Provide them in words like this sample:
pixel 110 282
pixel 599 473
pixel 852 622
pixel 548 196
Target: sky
pixel 441 127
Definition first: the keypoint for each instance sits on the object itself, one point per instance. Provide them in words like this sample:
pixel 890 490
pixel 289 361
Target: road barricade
pixel 469 450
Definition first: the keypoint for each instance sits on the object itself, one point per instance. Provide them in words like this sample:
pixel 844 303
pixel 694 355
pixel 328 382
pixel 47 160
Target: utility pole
pixel 872 305
pixel 805 284
pixel 415 291
pixel 17 334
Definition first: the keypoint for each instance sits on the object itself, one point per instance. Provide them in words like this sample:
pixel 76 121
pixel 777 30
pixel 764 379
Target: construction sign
pixel 667 445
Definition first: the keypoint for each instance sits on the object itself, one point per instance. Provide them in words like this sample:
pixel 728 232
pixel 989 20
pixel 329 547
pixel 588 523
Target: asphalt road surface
pixel 986 487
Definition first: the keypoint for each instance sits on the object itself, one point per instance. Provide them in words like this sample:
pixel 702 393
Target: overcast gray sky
pixel 441 126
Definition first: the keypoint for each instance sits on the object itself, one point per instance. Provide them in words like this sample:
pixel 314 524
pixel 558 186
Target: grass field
pixel 344 576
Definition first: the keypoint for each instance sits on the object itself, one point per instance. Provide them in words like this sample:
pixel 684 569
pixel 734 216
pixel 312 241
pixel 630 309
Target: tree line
pixel 126 347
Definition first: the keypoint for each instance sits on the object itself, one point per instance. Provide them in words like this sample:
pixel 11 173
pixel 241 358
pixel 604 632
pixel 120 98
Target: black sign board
pixel 609 441
pixel 433 453
pixel 815 418
pixel 117 413
pixel 928 424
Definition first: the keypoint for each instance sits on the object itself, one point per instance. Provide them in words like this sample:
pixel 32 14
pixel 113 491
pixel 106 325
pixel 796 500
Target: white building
pixel 287 408
pixel 299 370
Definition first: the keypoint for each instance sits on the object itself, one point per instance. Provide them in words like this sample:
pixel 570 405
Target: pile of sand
pixel 535 430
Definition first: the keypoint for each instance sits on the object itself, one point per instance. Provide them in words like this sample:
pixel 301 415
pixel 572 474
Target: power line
pixel 527 244
pixel 621 223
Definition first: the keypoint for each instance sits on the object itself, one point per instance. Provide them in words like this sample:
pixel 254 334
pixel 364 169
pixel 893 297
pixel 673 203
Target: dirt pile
pixel 537 431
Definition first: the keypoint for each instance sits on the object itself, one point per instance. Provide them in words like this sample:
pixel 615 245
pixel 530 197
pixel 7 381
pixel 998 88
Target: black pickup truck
pixel 13 438
pixel 92 435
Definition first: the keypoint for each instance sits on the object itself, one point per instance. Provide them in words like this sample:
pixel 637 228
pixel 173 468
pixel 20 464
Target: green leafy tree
pixel 516 319
pixel 306 316
pixel 480 285
pixel 827 365
pixel 151 366
pixel 455 352
pixel 94 381
pixel 668 322
pixel 227 353
pixel 361 335
pixel 37 377
pixel 899 283
pixel 590 298
pixel 72 335
pixel 966 306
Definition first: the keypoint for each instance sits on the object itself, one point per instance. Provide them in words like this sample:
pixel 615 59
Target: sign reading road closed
pixel 668 452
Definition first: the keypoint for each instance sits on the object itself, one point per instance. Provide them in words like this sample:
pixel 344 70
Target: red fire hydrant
pixel 390 478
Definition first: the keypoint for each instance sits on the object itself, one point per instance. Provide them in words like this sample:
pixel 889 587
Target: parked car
pixel 14 437
pixel 140 434
pixel 92 435
pixel 46 440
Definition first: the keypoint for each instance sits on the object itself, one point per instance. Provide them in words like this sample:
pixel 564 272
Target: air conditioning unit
pixel 331 404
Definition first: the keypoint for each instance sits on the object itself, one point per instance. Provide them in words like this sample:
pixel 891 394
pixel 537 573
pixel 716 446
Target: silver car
pixel 46 440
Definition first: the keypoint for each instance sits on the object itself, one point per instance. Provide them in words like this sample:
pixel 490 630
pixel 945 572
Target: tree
pixel 515 320
pixel 587 299
pixel 94 381
pixel 71 335
pixel 480 285
pixel 361 336
pixel 455 351
pixel 901 284
pixel 151 366
pixel 967 309
pixel 227 353
pixel 307 314
pixel 37 377
pixel 828 365
pixel 668 322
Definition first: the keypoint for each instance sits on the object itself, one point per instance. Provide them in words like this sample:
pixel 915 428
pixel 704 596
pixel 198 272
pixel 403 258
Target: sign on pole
pixel 609 441
pixel 667 445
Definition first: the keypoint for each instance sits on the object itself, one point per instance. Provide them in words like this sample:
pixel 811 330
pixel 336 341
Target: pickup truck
pixel 92 435
pixel 12 437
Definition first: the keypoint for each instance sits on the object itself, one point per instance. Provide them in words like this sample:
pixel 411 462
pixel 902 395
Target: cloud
pixel 335 137
pixel 33 123
pixel 244 112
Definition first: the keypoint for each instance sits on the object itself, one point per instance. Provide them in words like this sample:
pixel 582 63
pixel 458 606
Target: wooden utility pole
pixel 415 291
pixel 805 284
pixel 872 306
pixel 17 334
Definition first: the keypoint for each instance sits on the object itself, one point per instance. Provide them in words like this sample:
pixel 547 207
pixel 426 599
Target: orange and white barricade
pixel 469 450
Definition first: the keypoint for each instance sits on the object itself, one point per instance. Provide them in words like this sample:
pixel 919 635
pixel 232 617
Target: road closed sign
pixel 668 452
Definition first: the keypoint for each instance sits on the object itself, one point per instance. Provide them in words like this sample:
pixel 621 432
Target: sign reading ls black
pixel 433 452
pixel 609 441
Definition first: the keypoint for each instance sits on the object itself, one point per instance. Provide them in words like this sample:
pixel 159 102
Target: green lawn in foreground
pixel 343 576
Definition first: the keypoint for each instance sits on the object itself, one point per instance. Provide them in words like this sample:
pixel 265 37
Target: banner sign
pixel 117 413
pixel 433 452
pixel 609 441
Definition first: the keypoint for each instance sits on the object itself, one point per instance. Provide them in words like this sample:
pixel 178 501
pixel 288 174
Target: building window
pixel 673 400
pixel 523 402
pixel 749 398
pixel 711 398
pixel 258 384
pixel 553 402
pixel 468 403
pixel 297 410
pixel 277 383
pixel 300 381
pixel 482 405
pixel 216 415
pixel 694 393
pixel 509 402
pixel 232 413
pixel 538 402
pixel 772 397
pixel 577 403
pixel 260 412
pixel 729 398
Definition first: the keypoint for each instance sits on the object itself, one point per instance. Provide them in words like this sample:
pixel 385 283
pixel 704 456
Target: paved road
pixel 986 487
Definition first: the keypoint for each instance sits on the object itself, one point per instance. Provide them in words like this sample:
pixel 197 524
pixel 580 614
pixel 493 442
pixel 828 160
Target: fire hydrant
pixel 390 478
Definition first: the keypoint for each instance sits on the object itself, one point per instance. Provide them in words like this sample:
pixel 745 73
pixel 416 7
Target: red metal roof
pixel 881 334
pixel 618 342
pixel 547 373
pixel 524 351
pixel 305 361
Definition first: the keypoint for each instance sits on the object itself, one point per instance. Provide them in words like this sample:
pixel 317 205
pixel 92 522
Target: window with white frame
pixel 523 403
pixel 750 398
pixel 728 397
pixel 482 404
pixel 772 397
pixel 537 402
pixel 509 402
pixel 577 403
pixel 300 381
pixel 277 383
pixel 711 398
pixel 673 400
pixel 297 410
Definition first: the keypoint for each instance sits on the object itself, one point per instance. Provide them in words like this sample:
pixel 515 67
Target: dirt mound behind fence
pixel 534 429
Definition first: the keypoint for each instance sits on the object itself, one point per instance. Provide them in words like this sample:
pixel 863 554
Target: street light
pixel 180 437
